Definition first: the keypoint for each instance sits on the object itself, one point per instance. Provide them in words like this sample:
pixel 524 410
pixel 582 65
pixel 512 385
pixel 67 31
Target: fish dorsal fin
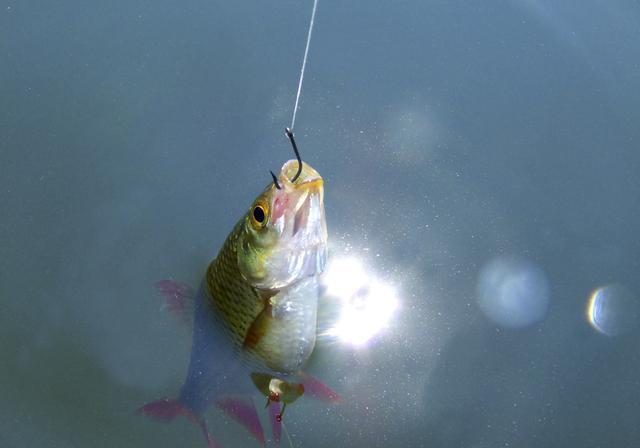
pixel 179 298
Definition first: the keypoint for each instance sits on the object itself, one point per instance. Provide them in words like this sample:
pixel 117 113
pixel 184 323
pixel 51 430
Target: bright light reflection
pixel 366 303
pixel 344 277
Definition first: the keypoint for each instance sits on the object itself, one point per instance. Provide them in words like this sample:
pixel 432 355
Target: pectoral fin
pixel 259 327
pixel 262 322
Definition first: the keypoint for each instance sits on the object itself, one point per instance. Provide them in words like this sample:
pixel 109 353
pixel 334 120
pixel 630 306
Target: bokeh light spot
pixel 612 310
pixel 513 292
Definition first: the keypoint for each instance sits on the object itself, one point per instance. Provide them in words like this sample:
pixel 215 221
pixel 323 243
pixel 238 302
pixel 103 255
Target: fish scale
pixel 287 345
pixel 237 301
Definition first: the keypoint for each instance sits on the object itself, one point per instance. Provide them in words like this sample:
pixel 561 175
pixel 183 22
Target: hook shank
pixel 289 133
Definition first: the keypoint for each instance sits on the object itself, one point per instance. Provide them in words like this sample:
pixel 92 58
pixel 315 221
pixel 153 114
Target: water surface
pixel 480 157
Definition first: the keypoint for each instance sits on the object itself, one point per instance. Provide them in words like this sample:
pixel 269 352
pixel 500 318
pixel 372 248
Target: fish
pixel 255 311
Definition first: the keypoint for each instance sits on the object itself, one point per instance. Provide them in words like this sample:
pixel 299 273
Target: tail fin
pixel 166 409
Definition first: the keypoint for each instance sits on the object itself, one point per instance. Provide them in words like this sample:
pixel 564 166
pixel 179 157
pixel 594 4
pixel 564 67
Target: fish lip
pixel 304 201
pixel 314 183
pixel 308 178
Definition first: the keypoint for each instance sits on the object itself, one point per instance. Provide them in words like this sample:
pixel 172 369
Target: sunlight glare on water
pixel 344 277
pixel 366 304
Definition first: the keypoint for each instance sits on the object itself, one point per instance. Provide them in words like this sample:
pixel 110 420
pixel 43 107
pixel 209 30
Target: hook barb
pixel 275 181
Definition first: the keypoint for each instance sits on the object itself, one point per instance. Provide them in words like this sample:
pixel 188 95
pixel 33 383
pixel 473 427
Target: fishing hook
pixel 275 181
pixel 289 133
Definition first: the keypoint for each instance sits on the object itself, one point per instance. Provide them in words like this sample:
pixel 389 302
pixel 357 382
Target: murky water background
pixel 479 157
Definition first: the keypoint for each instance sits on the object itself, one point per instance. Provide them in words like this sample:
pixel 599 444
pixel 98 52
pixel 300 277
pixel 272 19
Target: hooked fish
pixel 255 312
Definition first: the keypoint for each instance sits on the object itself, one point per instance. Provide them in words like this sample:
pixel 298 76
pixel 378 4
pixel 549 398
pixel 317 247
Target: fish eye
pixel 258 214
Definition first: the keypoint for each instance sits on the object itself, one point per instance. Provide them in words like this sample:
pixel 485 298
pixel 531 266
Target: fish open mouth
pixel 307 202
pixel 298 218
pixel 308 176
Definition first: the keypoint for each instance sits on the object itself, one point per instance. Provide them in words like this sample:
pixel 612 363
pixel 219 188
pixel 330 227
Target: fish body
pixel 255 312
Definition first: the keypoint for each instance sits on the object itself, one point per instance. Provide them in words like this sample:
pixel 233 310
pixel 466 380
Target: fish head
pixel 284 234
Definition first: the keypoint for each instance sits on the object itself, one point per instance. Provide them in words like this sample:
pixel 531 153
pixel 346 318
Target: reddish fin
pixel 315 388
pixel 210 442
pixel 166 409
pixel 244 412
pixel 179 298
pixel 276 424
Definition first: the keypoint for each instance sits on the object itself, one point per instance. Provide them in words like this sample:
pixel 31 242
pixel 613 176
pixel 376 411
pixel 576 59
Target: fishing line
pixel 287 434
pixel 289 130
pixel 304 63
